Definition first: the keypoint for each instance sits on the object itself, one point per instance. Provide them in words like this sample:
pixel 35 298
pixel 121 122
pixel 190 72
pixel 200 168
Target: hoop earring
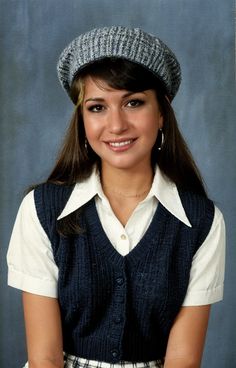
pixel 162 140
pixel 86 144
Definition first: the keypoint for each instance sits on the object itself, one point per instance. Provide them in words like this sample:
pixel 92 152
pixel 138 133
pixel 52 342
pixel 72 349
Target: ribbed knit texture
pixel 117 308
pixel 132 44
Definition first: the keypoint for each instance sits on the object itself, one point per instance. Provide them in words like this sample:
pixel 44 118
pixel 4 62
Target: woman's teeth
pixel 120 144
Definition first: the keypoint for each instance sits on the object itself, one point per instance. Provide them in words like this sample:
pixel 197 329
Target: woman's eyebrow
pixel 97 99
pixel 100 99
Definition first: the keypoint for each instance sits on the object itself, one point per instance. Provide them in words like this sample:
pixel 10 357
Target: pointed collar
pixel 167 194
pixel 164 190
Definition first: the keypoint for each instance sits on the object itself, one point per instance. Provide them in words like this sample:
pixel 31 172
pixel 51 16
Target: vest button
pixel 119 280
pixel 114 353
pixel 117 319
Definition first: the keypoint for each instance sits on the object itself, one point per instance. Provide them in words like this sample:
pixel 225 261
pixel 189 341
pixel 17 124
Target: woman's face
pixel 120 126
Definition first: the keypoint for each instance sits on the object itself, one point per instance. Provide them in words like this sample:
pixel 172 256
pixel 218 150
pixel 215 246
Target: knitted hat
pixel 132 44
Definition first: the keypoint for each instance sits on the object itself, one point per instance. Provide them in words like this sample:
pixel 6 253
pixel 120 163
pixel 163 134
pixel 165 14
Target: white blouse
pixel 31 266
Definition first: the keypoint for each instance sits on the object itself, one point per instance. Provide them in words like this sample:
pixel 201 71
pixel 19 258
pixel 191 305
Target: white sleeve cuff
pixel 204 297
pixel 31 284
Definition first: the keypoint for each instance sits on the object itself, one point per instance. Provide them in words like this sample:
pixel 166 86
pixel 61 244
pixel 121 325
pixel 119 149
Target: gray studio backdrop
pixel 34 112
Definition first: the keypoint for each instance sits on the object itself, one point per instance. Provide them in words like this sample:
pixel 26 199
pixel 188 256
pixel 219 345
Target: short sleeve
pixel 207 272
pixel 31 265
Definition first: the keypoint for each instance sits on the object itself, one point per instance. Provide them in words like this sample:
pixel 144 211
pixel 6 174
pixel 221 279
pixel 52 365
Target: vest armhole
pixel 200 210
pixel 50 199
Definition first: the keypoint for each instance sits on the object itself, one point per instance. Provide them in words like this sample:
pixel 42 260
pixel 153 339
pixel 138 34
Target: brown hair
pixel 75 161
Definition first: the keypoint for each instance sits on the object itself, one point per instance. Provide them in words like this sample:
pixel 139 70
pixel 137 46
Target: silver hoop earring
pixel 86 144
pixel 162 140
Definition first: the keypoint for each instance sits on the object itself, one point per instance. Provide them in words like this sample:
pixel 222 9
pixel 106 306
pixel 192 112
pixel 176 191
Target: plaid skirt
pixel 75 362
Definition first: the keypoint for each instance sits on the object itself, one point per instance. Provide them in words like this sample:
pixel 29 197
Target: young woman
pixel 120 253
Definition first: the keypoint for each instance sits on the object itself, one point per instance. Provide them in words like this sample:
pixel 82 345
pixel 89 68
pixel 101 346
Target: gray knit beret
pixel 132 44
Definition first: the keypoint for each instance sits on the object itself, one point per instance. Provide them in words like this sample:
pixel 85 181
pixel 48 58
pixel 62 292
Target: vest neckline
pixel 107 250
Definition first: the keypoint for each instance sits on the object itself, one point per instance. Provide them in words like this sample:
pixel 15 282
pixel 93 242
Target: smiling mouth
pixel 121 144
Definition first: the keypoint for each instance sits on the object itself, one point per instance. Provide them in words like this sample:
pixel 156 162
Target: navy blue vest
pixel 113 307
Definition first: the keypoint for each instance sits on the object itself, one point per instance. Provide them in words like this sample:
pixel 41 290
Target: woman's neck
pixel 130 183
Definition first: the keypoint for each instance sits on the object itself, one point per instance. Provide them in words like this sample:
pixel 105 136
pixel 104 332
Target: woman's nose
pixel 117 121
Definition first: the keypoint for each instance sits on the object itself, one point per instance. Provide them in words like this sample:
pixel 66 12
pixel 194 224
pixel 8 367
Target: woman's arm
pixel 43 331
pixel 187 336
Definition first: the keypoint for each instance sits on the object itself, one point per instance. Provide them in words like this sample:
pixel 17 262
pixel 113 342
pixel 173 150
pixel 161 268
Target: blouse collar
pixel 164 190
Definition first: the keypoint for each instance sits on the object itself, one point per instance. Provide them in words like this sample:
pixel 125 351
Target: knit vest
pixel 121 308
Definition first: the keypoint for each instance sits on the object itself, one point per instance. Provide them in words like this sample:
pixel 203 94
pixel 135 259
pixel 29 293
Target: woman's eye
pixel 135 103
pixel 95 108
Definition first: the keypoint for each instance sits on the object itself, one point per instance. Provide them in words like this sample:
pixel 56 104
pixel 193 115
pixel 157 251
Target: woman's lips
pixel 120 146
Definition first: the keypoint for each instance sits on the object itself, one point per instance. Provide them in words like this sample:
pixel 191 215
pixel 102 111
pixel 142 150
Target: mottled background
pixel 34 112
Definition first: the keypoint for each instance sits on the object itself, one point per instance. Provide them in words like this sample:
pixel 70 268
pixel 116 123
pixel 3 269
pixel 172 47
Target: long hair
pixel 76 158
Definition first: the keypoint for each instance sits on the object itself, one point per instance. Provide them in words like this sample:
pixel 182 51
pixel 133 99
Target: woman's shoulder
pixel 50 199
pixel 197 206
pixel 52 191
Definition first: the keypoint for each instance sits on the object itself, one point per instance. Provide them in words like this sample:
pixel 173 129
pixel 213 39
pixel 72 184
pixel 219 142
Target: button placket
pixel 118 320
